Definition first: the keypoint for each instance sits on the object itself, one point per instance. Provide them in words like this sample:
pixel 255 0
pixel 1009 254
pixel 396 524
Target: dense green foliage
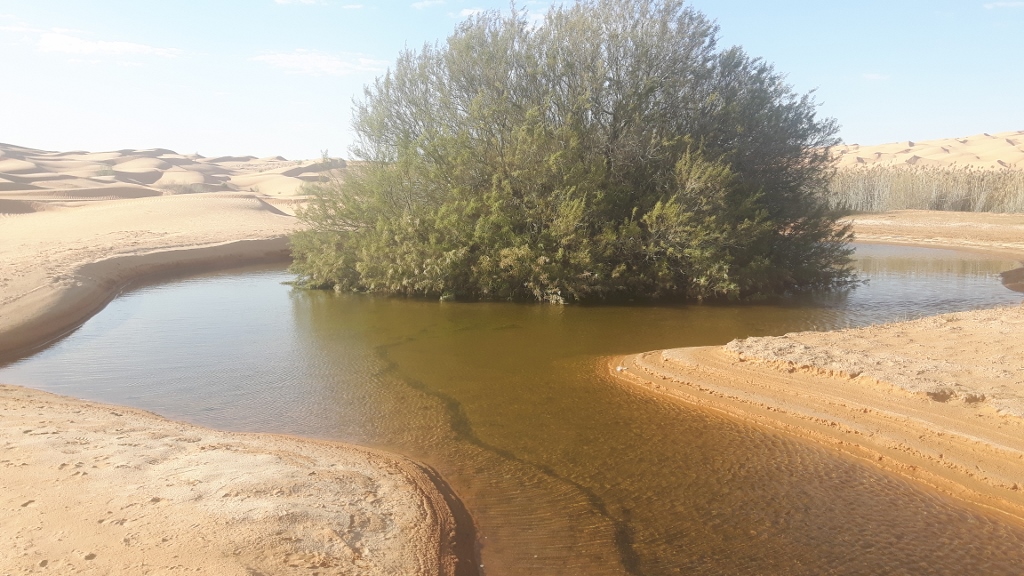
pixel 610 152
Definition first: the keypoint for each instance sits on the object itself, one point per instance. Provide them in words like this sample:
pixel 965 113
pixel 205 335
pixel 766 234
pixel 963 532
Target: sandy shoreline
pixel 97 489
pixel 63 264
pixel 100 489
pixel 939 400
pixel 1001 234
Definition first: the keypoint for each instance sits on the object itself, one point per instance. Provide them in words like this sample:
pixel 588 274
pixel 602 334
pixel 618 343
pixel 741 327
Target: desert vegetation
pixel 881 188
pixel 612 151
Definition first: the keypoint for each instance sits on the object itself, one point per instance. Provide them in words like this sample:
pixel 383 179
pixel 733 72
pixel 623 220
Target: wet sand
pixel 937 399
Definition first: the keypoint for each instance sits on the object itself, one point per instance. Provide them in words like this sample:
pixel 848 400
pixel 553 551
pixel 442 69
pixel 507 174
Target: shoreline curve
pixel 938 400
pixel 187 498
pixel 59 267
pixel 50 316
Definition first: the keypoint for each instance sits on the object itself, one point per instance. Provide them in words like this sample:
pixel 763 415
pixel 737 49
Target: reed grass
pixel 884 188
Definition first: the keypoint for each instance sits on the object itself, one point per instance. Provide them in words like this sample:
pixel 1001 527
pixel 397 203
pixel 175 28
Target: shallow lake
pixel 565 469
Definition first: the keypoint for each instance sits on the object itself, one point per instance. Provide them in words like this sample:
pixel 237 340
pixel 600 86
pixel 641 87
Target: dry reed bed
pixel 964 189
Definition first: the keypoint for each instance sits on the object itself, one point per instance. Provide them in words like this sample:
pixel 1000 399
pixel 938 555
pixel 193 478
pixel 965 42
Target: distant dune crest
pixel 988 151
pixel 29 175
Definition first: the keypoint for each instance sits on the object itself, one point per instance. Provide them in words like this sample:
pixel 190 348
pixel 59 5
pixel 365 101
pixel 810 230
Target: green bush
pixel 611 152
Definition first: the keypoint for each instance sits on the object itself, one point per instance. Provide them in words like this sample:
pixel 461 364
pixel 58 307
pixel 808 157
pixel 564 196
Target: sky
pixel 278 77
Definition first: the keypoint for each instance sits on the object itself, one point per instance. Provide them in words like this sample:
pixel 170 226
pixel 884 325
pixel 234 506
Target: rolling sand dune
pixel 989 151
pixel 159 171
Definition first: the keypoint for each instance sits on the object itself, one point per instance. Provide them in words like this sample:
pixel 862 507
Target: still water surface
pixel 565 470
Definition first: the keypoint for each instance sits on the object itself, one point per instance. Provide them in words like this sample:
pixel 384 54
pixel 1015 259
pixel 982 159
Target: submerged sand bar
pixel 938 399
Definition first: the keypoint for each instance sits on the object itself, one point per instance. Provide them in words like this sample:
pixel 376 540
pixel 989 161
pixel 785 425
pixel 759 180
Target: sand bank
pixel 1001 234
pixel 60 265
pixel 109 490
pixel 939 399
pixel 94 489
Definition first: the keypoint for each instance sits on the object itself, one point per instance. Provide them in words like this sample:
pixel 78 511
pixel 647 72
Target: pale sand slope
pixel 93 489
pixel 106 490
pixel 28 175
pixel 939 399
pixel 988 151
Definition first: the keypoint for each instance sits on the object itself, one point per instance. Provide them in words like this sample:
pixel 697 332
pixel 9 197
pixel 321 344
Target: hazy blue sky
pixel 269 77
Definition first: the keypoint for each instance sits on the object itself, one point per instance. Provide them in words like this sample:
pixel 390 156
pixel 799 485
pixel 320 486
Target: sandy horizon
pixel 998 151
pixel 32 175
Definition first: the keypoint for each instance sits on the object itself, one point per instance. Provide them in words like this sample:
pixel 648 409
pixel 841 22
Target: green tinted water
pixel 566 470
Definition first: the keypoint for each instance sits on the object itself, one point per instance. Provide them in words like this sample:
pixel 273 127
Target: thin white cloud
pixel 992 5
pixel 426 4
pixel 68 44
pixel 315 63
pixel 874 76
pixel 20 26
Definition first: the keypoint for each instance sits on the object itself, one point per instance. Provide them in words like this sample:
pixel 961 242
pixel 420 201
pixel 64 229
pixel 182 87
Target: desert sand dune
pixel 158 169
pixel 17 206
pixel 102 192
pixel 16 166
pixel 989 151
pixel 141 164
pixel 8 185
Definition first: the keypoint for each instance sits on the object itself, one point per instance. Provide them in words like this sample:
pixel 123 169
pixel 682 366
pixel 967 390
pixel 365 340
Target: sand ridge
pixel 1003 150
pixel 31 174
